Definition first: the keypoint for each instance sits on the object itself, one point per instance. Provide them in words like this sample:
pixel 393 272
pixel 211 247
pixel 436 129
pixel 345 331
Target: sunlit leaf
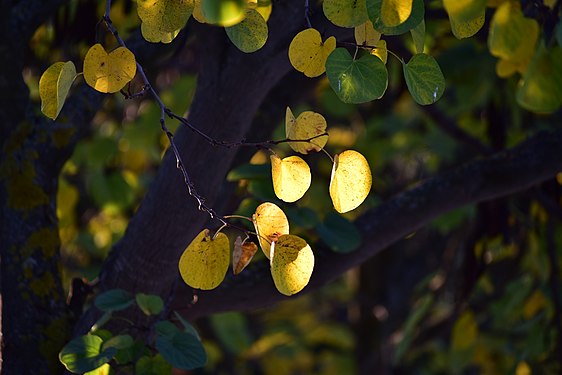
pixel 84 353
pixel 162 20
pixel 356 81
pixel 204 262
pixel 149 304
pixel 395 17
pixel 292 263
pixel 345 13
pixel 351 181
pixel 365 34
pixel 418 36
pixel 464 10
pixel 223 12
pixel 308 53
pixel 109 73
pixel 291 177
pixel 249 35
pixel 381 51
pixel 270 223
pixel 306 126
pixel 424 79
pixel 540 88
pixel 263 7
pixel 54 86
pixel 242 254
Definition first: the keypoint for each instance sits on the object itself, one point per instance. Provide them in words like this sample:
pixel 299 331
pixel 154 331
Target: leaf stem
pixel 238 217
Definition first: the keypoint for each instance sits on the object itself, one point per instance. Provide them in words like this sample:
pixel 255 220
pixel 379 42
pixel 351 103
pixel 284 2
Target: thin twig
pixel 306 14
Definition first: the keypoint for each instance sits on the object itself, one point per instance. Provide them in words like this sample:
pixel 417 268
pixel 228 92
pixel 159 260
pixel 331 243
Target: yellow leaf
pixel 270 223
pixel 464 10
pixel 346 13
pixel 465 331
pixel 381 52
pixel 505 68
pixel 109 72
pixel 224 12
pixel 54 86
pixel 204 262
pixel 534 303
pixel 308 53
pixel 198 12
pixel 366 34
pixel 242 254
pixel 467 29
pixel 291 177
pixel 523 369
pixel 351 181
pixel 156 36
pixel 249 35
pixel 292 263
pixel 163 18
pixel 395 12
pixel 308 125
pixel 512 36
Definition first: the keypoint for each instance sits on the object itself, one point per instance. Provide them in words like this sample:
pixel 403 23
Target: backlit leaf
pixel 204 262
pixel 345 13
pixel 356 81
pixel 270 223
pixel 223 12
pixel 242 254
pixel 308 53
pixel 365 34
pixel 109 73
pixel 381 51
pixel 540 88
pixel 292 263
pixel 162 20
pixel 249 35
pixel 424 79
pixel 418 36
pixel 464 10
pixel 84 353
pixel 291 177
pixel 395 17
pixel 351 181
pixel 308 125
pixel 54 86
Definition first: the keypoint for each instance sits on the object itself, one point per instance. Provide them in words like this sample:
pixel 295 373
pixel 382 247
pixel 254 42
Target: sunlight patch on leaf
pixel 292 263
pixel 308 53
pixel 291 177
pixel 351 181
pixel 395 17
pixel 223 12
pixel 204 262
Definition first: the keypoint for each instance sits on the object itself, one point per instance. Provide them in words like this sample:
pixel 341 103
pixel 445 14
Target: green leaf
pixel 119 342
pixel 540 89
pixel 182 351
pixel 341 235
pixel 152 366
pixel 395 17
pixel 346 13
pixel 303 217
pixel 424 79
pixel 223 12
pixel 356 81
pixel 250 172
pixel 188 328
pixel 101 321
pixel 150 304
pixel 166 328
pixel 464 10
pixel 114 300
pixel 54 86
pixel 418 35
pixel 84 354
pixel 249 35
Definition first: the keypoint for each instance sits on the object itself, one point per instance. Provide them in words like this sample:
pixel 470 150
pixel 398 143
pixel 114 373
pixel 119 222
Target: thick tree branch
pixel 499 175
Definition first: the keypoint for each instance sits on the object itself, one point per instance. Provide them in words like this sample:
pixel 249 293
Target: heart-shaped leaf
pixel 308 125
pixel 84 353
pixel 291 177
pixel 162 20
pixel 308 53
pixel 109 73
pixel 424 79
pixel 292 263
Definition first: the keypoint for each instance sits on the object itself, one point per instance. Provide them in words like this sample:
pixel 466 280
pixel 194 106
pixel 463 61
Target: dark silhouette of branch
pixel 502 174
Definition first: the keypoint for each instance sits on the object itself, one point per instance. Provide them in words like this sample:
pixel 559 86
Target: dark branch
pixel 499 175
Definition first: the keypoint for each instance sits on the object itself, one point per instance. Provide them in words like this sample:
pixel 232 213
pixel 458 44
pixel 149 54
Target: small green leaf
pixel 54 86
pixel 395 17
pixel 424 79
pixel 345 13
pixel 152 366
pixel 149 304
pixel 356 81
pixel 182 351
pixel 249 35
pixel 418 35
pixel 114 300
pixel 341 235
pixel 119 342
pixel 84 354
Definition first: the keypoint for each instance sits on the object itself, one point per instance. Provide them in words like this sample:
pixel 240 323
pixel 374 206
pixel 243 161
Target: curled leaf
pixel 270 222
pixel 204 262
pixel 242 254
pixel 54 86
pixel 292 263
pixel 291 177
pixel 351 181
